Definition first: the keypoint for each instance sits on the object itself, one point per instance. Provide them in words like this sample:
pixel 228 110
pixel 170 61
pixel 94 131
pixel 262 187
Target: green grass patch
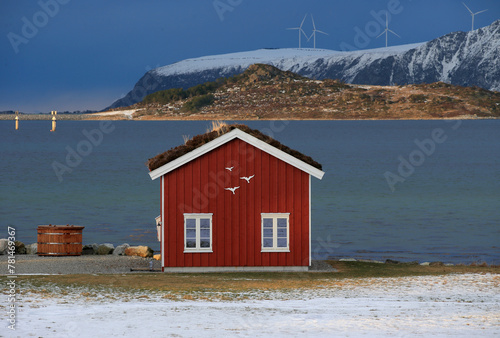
pixel 237 282
pixel 367 269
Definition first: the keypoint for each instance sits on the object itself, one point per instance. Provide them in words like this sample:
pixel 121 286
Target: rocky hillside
pixel 460 58
pixel 265 92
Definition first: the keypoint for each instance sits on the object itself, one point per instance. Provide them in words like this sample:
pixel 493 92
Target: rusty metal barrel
pixel 59 240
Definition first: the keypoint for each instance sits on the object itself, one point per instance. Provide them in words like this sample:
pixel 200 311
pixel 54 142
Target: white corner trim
pixel 162 242
pixel 236 133
pixel 310 222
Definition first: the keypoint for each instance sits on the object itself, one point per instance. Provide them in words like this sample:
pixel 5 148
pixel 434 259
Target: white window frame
pixel 197 218
pixel 274 217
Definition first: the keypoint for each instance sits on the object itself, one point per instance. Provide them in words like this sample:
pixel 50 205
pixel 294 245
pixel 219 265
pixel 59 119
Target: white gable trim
pixel 310 222
pixel 236 133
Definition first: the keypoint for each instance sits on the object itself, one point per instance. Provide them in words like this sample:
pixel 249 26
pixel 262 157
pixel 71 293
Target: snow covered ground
pixel 283 58
pixel 444 306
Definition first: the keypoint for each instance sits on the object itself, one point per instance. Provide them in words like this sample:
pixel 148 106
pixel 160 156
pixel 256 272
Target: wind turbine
pixel 473 14
pixel 387 30
pixel 300 30
pixel 314 32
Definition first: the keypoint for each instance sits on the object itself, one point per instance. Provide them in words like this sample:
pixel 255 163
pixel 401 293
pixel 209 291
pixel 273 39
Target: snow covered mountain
pixel 466 59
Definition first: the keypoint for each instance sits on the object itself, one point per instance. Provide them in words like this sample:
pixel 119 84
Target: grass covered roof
pixel 219 129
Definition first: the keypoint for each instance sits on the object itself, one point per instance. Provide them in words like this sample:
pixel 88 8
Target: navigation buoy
pixel 17 120
pixel 53 113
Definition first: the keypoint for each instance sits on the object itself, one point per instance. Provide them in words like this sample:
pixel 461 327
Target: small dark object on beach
pixel 88 250
pixel 390 261
pixel 105 249
pixel 20 248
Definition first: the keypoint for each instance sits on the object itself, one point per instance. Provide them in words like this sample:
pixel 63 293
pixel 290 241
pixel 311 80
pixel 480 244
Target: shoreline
pixel 233 119
pixel 28 252
pixel 32 264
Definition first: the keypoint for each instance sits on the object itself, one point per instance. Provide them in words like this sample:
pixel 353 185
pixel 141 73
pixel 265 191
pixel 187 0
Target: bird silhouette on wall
pixel 247 178
pixel 230 168
pixel 231 189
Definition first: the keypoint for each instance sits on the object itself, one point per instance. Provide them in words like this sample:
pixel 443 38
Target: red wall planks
pixel 305 217
pixel 219 232
pixel 257 206
pixel 250 205
pixel 241 260
pixel 170 230
pixel 181 209
pixel 289 201
pixel 234 201
pixel 199 187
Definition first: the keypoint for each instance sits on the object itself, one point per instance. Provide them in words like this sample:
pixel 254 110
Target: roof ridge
pixel 199 140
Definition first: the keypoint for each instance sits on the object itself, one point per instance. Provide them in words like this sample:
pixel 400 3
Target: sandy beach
pixel 35 265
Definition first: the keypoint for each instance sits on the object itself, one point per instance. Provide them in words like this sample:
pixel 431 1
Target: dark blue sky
pixel 76 55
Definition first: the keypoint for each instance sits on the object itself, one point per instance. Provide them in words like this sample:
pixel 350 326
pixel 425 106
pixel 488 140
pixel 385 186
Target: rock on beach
pixel 20 248
pixel 88 250
pixel 32 249
pixel 105 249
pixel 3 246
pixel 141 251
pixel 120 249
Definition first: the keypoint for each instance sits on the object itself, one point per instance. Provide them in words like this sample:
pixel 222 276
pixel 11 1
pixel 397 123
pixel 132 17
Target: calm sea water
pixel 444 205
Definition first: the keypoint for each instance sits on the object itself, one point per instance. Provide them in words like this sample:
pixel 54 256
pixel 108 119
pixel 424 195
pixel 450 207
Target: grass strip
pixel 236 282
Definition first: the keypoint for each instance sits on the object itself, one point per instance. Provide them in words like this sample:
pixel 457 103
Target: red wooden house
pixel 234 199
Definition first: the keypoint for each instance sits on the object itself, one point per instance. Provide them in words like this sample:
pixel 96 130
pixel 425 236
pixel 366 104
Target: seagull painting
pixel 230 168
pixel 247 178
pixel 231 189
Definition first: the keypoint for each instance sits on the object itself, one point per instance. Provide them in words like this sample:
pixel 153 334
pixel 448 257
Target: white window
pixel 197 232
pixel 275 232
